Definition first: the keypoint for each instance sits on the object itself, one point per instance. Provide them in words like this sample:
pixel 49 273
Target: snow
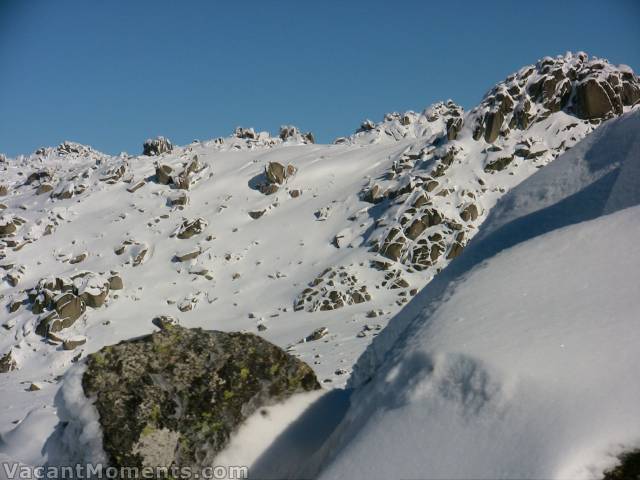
pixel 519 360
pixel 250 272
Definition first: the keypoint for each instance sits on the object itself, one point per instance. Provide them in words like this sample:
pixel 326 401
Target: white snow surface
pixel 250 272
pixel 520 359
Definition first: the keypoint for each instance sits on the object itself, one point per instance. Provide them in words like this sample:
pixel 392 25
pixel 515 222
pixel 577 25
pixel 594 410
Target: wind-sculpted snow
pixel 517 361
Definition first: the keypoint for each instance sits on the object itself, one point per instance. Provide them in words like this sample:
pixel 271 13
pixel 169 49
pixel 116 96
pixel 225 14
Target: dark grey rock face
pixel 174 397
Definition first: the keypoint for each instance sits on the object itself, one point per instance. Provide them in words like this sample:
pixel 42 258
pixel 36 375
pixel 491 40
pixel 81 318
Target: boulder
pixel 454 125
pixel 188 255
pixel 255 214
pixel 4 191
pixel 177 395
pixel 189 228
pixel 592 100
pixel 180 200
pixel 156 146
pixel 44 188
pixel 245 133
pixel 493 124
pixel 163 174
pixel 7 362
pixel 275 172
pixel 115 282
pixel 7 225
pixel 69 308
pixel 469 213
pixel 73 343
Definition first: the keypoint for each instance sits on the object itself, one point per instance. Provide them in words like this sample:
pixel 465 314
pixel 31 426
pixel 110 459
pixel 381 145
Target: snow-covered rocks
pixel 156 146
pixel 332 289
pixel 386 210
pixel 493 357
pixel 189 228
pixel 289 133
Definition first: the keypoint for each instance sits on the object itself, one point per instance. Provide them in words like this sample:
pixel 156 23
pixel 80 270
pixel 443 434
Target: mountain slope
pixel 315 247
pixel 518 361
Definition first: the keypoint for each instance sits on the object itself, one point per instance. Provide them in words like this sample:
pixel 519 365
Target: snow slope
pixel 318 267
pixel 520 359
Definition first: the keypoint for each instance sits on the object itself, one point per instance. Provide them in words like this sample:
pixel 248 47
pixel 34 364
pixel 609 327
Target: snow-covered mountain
pixel 519 360
pixel 314 247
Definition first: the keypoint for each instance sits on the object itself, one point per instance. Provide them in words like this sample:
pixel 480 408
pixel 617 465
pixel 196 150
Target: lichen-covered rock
pixel 156 146
pixel 184 391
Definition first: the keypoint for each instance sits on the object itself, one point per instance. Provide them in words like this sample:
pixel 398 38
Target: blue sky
pixel 112 73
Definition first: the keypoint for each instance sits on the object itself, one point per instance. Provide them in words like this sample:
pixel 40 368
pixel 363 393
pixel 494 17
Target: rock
pixel 499 164
pixel 454 125
pixel 469 213
pixel 269 188
pixel 34 387
pixel 164 322
pixel 73 343
pixel 255 214
pixel 69 308
pixel 38 177
pixel 288 132
pixel 78 258
pixel 317 334
pixel 295 193
pixel 4 191
pixel 139 254
pixel 373 194
pixel 163 174
pixel 275 172
pixel 8 225
pixel 44 188
pixel 8 362
pixel 14 306
pixel 592 100
pixel 93 289
pixel 366 126
pixel 183 392
pixel 627 468
pixel 245 133
pixel 188 255
pixel 457 247
pixel 493 124
pixel 136 186
pixel 156 146
pixel 189 228
pixel 115 282
pixel 179 200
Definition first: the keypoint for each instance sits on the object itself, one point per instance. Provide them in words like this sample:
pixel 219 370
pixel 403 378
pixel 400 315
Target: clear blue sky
pixel 112 73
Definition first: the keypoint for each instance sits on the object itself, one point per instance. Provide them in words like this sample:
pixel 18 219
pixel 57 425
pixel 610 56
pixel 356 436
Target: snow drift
pixel 519 360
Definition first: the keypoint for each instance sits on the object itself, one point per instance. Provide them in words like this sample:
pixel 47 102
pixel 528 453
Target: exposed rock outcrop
pixel 156 146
